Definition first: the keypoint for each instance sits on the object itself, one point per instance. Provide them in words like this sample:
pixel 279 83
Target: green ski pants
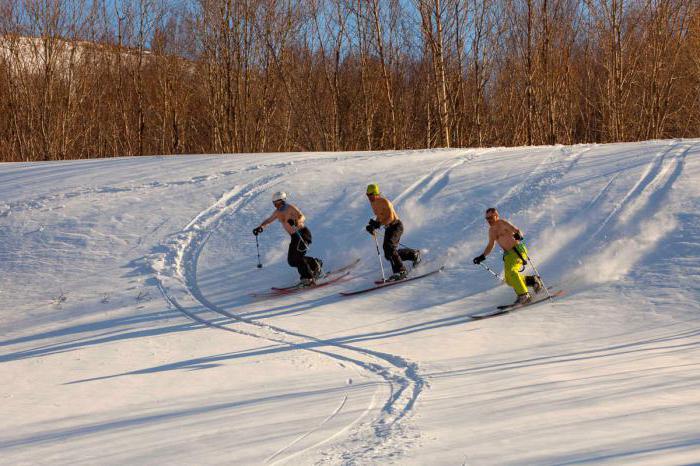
pixel 511 269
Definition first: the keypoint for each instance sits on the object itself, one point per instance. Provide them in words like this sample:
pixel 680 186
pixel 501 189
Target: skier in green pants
pixel 509 239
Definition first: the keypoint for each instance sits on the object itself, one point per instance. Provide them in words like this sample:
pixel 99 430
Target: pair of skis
pixel 508 308
pixel 333 276
pixel 378 284
pixel 343 273
pixel 336 276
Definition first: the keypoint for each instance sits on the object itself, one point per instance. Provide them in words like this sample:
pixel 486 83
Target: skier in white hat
pixel 293 222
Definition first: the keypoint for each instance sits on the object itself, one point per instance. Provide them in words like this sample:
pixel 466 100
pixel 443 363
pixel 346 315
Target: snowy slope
pixel 129 334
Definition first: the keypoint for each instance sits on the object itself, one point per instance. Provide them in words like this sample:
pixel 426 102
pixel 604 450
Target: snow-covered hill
pixel 129 335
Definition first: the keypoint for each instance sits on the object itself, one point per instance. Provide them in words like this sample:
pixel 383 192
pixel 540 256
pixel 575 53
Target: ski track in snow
pixel 641 214
pixel 620 207
pixel 41 201
pixel 177 267
pixel 541 181
pixel 428 185
pixel 647 183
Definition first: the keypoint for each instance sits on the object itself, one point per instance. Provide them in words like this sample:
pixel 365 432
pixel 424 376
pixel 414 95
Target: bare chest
pixel 503 236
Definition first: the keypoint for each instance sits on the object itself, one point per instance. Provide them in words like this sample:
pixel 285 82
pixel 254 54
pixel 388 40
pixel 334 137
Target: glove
pixel 479 259
pixel 257 230
pixel 372 225
pixel 518 236
pixel 292 222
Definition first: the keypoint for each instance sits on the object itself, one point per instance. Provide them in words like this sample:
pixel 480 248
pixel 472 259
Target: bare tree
pixel 431 13
pixel 89 78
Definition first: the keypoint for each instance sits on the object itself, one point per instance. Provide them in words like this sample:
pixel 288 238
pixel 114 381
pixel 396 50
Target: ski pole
pixel 532 264
pixel 495 275
pixel 257 246
pixel 379 255
pixel 301 238
pixel 292 223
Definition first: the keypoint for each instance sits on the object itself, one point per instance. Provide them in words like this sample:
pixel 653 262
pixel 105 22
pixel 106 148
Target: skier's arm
pixel 269 220
pixel 376 210
pixel 489 247
pixel 492 242
pixel 384 211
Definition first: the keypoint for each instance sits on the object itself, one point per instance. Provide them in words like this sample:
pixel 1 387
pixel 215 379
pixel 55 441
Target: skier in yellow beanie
pixel 385 216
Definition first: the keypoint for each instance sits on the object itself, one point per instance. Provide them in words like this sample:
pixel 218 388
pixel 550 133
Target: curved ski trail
pixel 175 268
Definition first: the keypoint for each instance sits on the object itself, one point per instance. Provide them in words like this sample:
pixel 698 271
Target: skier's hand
pixel 374 224
pixel 292 222
pixel 518 236
pixel 369 229
pixel 479 259
pixel 257 230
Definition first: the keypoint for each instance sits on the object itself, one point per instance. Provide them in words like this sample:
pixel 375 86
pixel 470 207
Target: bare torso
pixel 284 214
pixel 501 232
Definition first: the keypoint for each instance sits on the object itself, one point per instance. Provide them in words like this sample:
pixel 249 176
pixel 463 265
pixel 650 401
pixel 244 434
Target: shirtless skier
pixel 293 221
pixel 509 239
pixel 386 217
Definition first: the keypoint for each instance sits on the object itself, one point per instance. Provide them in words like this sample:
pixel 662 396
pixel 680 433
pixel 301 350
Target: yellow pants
pixel 511 269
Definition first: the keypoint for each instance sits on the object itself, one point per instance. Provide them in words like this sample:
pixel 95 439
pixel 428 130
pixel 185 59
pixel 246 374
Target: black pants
pixel 392 236
pixel 296 257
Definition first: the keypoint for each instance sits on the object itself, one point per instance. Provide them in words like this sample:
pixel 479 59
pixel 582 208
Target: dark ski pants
pixel 392 236
pixel 296 257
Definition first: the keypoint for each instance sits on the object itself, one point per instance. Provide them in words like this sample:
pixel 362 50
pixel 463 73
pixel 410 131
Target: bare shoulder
pixel 505 224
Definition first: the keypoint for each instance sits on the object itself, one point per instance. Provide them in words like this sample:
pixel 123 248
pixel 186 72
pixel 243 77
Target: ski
pixel 319 284
pixel 380 284
pixel 326 275
pixel 508 308
pixel 330 277
pixel 276 293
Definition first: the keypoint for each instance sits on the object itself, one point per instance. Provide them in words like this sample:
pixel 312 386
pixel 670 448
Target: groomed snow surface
pixel 129 334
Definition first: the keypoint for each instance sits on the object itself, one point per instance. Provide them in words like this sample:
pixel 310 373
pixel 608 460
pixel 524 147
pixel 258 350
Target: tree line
pixel 99 78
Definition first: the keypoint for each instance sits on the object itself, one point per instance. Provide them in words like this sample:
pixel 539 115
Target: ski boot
pixel 306 282
pixel 417 259
pixel 318 271
pixel 522 299
pixel 537 286
pixel 398 276
pixel 535 282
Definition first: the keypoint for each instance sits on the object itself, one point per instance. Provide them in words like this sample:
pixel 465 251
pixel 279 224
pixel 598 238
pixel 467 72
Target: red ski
pixel 322 280
pixel 333 276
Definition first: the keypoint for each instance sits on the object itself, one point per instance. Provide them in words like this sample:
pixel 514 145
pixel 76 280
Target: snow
pixel 129 334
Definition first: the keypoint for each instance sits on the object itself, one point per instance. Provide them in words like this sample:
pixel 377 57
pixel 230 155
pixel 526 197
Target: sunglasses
pixel 490 217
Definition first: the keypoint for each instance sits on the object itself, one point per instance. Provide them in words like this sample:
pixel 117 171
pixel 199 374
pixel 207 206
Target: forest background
pixel 101 78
